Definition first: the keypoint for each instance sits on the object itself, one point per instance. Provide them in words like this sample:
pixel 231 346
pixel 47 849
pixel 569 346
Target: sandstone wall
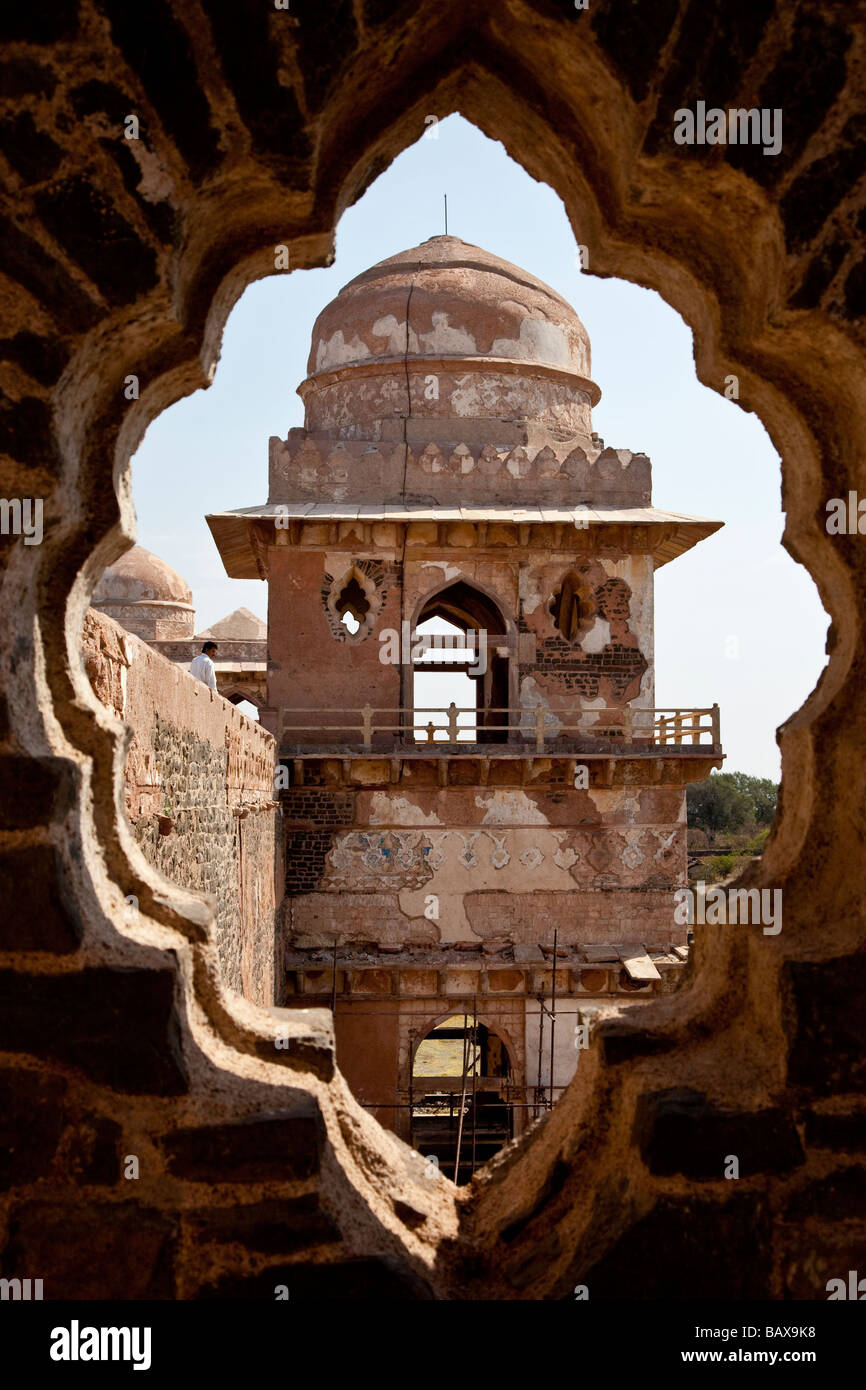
pixel 196 760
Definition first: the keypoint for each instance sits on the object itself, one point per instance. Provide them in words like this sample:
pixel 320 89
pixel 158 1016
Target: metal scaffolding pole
pixel 541 1013
pixel 474 1075
pixel 463 1096
pixel 552 1014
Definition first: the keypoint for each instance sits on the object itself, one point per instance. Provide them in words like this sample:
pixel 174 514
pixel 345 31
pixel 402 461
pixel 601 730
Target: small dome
pixel 146 596
pixel 140 575
pixel 500 343
pixel 465 302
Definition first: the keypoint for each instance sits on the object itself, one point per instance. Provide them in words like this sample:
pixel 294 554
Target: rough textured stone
pixel 384 1280
pixel 277 1147
pixel 118 1025
pixel 273 1227
pixel 827 1023
pixel 105 1250
pixel 688 1249
pixel 49 926
pixel 92 1152
pixel 682 1132
pixel 839 1197
pixel 196 760
pixel 31 1122
pixel 836 1131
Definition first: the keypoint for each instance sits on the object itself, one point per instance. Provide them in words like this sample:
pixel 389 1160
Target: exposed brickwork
pixel 306 852
pixel 618 668
pixel 317 806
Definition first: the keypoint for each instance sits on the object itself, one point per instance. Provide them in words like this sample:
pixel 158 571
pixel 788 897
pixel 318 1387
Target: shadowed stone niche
pixel 124 258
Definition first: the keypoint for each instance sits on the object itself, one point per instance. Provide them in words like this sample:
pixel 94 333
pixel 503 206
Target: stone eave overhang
pixel 498 765
pixel 243 537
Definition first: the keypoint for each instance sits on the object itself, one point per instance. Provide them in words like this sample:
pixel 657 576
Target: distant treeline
pixel 731 803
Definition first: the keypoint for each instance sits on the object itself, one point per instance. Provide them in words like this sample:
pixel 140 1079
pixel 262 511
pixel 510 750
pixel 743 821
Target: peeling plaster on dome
pixel 444 339
pixel 539 341
pixel 395 334
pixel 335 351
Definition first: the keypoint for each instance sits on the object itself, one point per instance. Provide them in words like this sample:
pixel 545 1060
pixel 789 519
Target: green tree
pixel 717 804
pixel 762 792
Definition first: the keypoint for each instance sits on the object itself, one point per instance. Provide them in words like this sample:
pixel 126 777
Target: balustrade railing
pixel 541 726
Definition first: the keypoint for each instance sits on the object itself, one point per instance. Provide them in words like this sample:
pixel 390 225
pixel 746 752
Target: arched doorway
pixel 460 1109
pixel 464 661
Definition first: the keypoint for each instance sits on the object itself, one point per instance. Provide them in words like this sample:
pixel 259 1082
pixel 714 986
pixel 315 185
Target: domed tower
pixel 147 597
pixel 452 813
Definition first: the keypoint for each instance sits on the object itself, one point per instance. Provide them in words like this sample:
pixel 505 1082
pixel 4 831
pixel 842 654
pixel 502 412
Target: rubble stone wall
pixel 195 761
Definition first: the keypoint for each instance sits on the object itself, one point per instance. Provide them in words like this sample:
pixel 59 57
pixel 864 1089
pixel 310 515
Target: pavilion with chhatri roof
pixel 484 870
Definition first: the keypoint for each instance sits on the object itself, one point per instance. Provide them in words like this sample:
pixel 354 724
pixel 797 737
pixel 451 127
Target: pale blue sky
pixel 737 621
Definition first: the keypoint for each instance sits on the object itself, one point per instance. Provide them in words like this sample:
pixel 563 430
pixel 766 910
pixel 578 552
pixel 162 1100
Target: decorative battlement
pixel 312 466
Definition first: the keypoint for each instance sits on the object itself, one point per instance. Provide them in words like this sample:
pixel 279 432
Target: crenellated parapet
pixel 311 466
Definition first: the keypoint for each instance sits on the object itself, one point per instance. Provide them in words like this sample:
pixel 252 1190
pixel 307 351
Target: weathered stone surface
pixel 118 1025
pixel 196 759
pixel 117 1250
pixel 274 1227
pixel 688 1249
pixel 836 1131
pixel 92 1151
pixel 31 790
pixel 259 1149
pixel 680 1131
pixel 839 1197
pixel 387 1280
pixel 49 925
pixel 827 1023
pixel 31 1122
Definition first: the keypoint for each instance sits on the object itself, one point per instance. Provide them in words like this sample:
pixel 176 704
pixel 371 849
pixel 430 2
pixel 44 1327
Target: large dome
pixel 445 330
pixel 146 596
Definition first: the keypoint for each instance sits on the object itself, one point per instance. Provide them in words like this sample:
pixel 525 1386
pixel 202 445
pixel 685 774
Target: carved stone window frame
pixel 335 618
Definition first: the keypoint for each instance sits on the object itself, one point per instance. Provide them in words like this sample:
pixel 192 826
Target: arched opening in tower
pixel 446 695
pixel 461 668
pixel 461 1112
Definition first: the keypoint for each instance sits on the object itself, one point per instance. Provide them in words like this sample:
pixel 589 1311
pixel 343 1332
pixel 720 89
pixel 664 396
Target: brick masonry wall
pixel 309 812
pixel 196 759
pixel 599 866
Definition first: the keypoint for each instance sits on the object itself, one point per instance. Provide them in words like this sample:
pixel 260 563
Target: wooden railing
pixel 654 728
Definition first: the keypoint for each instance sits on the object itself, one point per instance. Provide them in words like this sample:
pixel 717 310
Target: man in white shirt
pixel 202 666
